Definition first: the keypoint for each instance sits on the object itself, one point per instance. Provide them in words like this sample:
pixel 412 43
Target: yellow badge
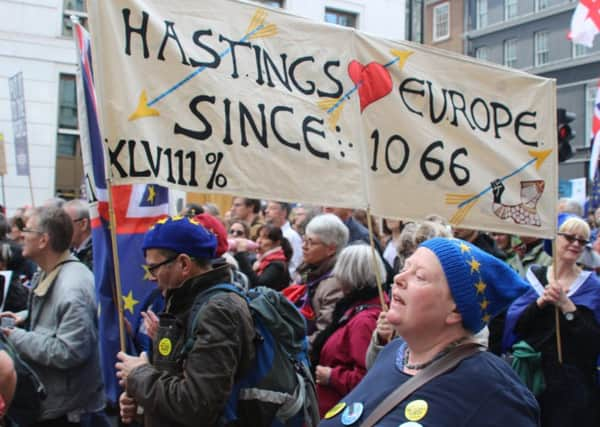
pixel 165 347
pixel 416 410
pixel 335 410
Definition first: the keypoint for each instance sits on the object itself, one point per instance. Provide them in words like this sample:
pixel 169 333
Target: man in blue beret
pixel 191 385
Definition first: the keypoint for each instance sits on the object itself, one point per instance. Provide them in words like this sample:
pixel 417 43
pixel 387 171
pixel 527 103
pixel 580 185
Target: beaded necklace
pixel 420 366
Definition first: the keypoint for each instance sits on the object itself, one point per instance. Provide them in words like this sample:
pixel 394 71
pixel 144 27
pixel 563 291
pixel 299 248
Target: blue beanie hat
pixel 182 235
pixel 481 284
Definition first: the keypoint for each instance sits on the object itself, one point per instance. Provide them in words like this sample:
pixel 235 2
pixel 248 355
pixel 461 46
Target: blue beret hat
pixel 182 235
pixel 481 284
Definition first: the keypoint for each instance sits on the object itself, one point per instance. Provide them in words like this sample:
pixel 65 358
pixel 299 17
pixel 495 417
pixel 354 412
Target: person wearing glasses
pixel 569 393
pixel 176 390
pixel 59 338
pixel 81 243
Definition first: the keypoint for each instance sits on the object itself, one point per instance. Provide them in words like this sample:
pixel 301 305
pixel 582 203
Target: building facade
pixel 531 35
pixel 36 40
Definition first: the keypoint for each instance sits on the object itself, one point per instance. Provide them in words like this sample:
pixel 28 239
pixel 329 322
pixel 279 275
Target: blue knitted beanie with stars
pixel 481 284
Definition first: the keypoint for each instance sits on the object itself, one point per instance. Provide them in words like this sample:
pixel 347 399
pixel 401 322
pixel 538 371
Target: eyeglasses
pixel 153 267
pixel 236 232
pixel 311 242
pixel 571 238
pixel 31 230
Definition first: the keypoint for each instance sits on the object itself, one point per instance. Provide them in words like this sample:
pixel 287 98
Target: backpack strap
pixel 446 363
pixel 201 299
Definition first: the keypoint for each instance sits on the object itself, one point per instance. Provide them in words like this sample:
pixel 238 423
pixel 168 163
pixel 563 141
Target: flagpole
pixel 374 261
pixel 117 270
pixel 556 313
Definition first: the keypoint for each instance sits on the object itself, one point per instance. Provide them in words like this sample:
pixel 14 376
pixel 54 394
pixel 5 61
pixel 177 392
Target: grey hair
pixel 428 230
pixel 57 224
pixel 80 207
pixel 567 205
pixel 354 267
pixel 330 229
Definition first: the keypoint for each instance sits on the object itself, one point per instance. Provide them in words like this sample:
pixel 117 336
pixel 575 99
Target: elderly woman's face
pixel 314 251
pixel 421 298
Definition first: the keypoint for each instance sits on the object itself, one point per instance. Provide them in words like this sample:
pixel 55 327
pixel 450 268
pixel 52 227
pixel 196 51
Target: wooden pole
pixel 374 261
pixel 117 270
pixel 31 189
pixel 556 311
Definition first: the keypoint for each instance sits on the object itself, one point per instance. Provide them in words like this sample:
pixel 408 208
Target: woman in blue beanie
pixel 570 393
pixel 447 292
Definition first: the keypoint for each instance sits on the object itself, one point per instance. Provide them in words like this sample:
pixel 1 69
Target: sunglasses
pixel 236 232
pixel 571 238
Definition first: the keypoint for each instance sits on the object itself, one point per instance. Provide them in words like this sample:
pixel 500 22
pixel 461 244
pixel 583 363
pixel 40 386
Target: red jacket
pixel 344 352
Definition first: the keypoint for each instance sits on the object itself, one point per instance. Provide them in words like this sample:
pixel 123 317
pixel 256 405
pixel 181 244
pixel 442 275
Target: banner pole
pixel 374 260
pixel 117 270
pixel 556 313
pixel 31 189
pixel 3 193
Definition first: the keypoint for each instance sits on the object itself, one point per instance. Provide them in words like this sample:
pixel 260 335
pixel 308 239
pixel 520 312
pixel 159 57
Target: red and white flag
pixel 595 156
pixel 585 23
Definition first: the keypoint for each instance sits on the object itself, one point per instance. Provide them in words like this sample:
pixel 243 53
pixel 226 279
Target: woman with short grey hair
pixel 339 351
pixel 326 235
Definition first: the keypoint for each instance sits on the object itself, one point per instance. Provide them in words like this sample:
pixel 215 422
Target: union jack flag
pixel 136 207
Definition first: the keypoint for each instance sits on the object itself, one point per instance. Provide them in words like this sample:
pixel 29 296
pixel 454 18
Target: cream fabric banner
pixel 226 97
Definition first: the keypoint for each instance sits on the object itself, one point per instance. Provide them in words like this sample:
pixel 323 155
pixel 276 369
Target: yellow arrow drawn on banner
pixel 256 29
pixel 466 202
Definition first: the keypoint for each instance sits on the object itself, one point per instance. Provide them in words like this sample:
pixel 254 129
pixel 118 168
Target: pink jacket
pixel 344 352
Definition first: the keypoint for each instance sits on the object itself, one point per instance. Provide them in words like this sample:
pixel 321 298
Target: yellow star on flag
pixel 464 248
pixel 129 302
pixel 486 318
pixel 480 286
pixel 484 304
pixel 147 274
pixel 474 265
pixel 151 194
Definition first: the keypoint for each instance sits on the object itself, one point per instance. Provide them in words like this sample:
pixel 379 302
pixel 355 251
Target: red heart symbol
pixel 373 80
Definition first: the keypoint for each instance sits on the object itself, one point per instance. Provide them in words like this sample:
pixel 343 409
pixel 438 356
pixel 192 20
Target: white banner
pixel 223 96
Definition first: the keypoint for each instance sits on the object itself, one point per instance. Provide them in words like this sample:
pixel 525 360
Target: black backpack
pixel 25 408
pixel 278 390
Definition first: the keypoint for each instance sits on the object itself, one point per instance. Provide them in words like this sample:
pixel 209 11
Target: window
pixel 68 126
pixel 580 50
pixel 510 52
pixel 481 53
pixel 271 3
pixel 541 50
pixel 540 5
pixel 510 9
pixel 482 14
pixel 441 21
pixel 76 8
pixel 339 17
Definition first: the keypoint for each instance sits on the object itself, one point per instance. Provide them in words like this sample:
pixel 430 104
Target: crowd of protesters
pixel 371 322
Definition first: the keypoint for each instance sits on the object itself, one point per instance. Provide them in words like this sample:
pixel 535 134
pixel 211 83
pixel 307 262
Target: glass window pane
pixel 78 5
pixel 441 21
pixel 67 108
pixel 66 145
pixel 347 19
